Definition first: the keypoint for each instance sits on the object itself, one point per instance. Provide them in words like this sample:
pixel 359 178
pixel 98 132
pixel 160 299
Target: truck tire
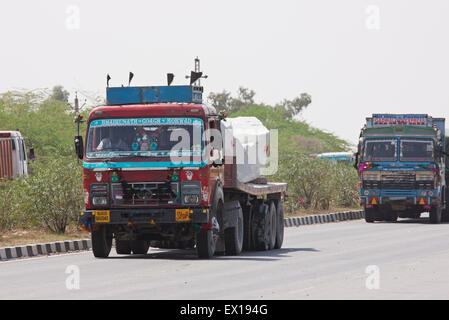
pixel 123 246
pixel 262 230
pixel 234 237
pixel 391 216
pixel 140 246
pixel 206 240
pixel 273 224
pixel 247 229
pixel 445 215
pixel 279 224
pixel 370 216
pixel 435 214
pixel 101 242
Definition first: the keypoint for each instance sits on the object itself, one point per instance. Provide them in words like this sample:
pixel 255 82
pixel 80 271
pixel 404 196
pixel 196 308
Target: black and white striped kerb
pixel 324 218
pixel 33 250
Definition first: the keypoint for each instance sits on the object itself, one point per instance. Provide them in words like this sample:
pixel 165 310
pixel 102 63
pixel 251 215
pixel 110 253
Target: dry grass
pixel 31 236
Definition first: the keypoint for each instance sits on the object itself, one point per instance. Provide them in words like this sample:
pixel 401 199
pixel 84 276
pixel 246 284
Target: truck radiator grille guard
pixel 144 194
pixel 398 180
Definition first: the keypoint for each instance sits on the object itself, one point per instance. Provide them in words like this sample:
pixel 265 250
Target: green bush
pixel 12 202
pixel 317 184
pixel 52 197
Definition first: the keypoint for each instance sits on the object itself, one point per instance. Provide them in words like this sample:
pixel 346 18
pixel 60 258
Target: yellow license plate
pixel 182 215
pixel 102 216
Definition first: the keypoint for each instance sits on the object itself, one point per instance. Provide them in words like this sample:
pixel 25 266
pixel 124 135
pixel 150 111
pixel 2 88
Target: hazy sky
pixel 355 57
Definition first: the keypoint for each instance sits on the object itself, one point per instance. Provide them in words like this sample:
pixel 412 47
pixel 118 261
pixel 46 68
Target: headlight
pixel 191 199
pixel 425 176
pixel 99 201
pixel 99 194
pixel 371 175
pixel 191 192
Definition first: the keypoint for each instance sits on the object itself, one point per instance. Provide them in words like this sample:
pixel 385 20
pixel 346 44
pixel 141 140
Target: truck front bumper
pixel 142 216
pixel 405 199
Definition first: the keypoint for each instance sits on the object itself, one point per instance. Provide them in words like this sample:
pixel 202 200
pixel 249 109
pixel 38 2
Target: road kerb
pixel 324 218
pixel 44 249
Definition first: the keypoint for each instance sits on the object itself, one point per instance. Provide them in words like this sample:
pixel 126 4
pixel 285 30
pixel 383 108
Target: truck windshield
pixel 380 150
pixel 145 137
pixel 416 150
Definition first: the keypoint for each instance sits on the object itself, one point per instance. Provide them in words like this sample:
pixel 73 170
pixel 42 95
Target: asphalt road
pixel 347 260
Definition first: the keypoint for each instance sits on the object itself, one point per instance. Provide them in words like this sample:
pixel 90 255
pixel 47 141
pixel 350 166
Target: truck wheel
pixel 247 230
pixel 123 246
pixel 445 215
pixel 391 216
pixel 234 237
pixel 206 240
pixel 369 215
pixel 140 246
pixel 273 224
pixel 262 232
pixel 435 214
pixel 101 242
pixel 279 224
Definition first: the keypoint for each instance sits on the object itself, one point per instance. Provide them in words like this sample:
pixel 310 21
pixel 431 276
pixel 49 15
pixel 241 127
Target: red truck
pixel 155 174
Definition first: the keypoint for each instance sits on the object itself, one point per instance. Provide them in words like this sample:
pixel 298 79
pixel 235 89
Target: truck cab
pixel 13 156
pixel 401 165
pixel 154 175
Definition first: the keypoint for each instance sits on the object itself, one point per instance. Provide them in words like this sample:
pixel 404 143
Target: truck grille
pixel 370 184
pixel 144 194
pixel 398 180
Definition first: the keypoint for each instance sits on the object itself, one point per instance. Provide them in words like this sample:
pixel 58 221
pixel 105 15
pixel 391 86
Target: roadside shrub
pixel 317 184
pixel 51 197
pixel 56 192
pixel 13 195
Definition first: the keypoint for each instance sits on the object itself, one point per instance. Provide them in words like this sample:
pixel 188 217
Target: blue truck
pixel 401 165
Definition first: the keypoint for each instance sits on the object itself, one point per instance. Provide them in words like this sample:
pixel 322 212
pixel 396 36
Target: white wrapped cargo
pixel 246 139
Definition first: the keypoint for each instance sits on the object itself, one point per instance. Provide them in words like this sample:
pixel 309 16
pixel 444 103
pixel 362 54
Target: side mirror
pixel 79 146
pixel 356 161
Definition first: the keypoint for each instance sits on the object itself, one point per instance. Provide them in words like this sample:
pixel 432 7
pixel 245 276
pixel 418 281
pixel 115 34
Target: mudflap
pixel 230 215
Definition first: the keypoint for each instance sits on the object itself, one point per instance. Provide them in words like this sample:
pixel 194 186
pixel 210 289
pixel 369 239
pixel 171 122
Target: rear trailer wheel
pixel 279 224
pixel 123 246
pixel 101 242
pixel 369 215
pixel 435 214
pixel 234 237
pixel 140 246
pixel 262 232
pixel 247 229
pixel 273 224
